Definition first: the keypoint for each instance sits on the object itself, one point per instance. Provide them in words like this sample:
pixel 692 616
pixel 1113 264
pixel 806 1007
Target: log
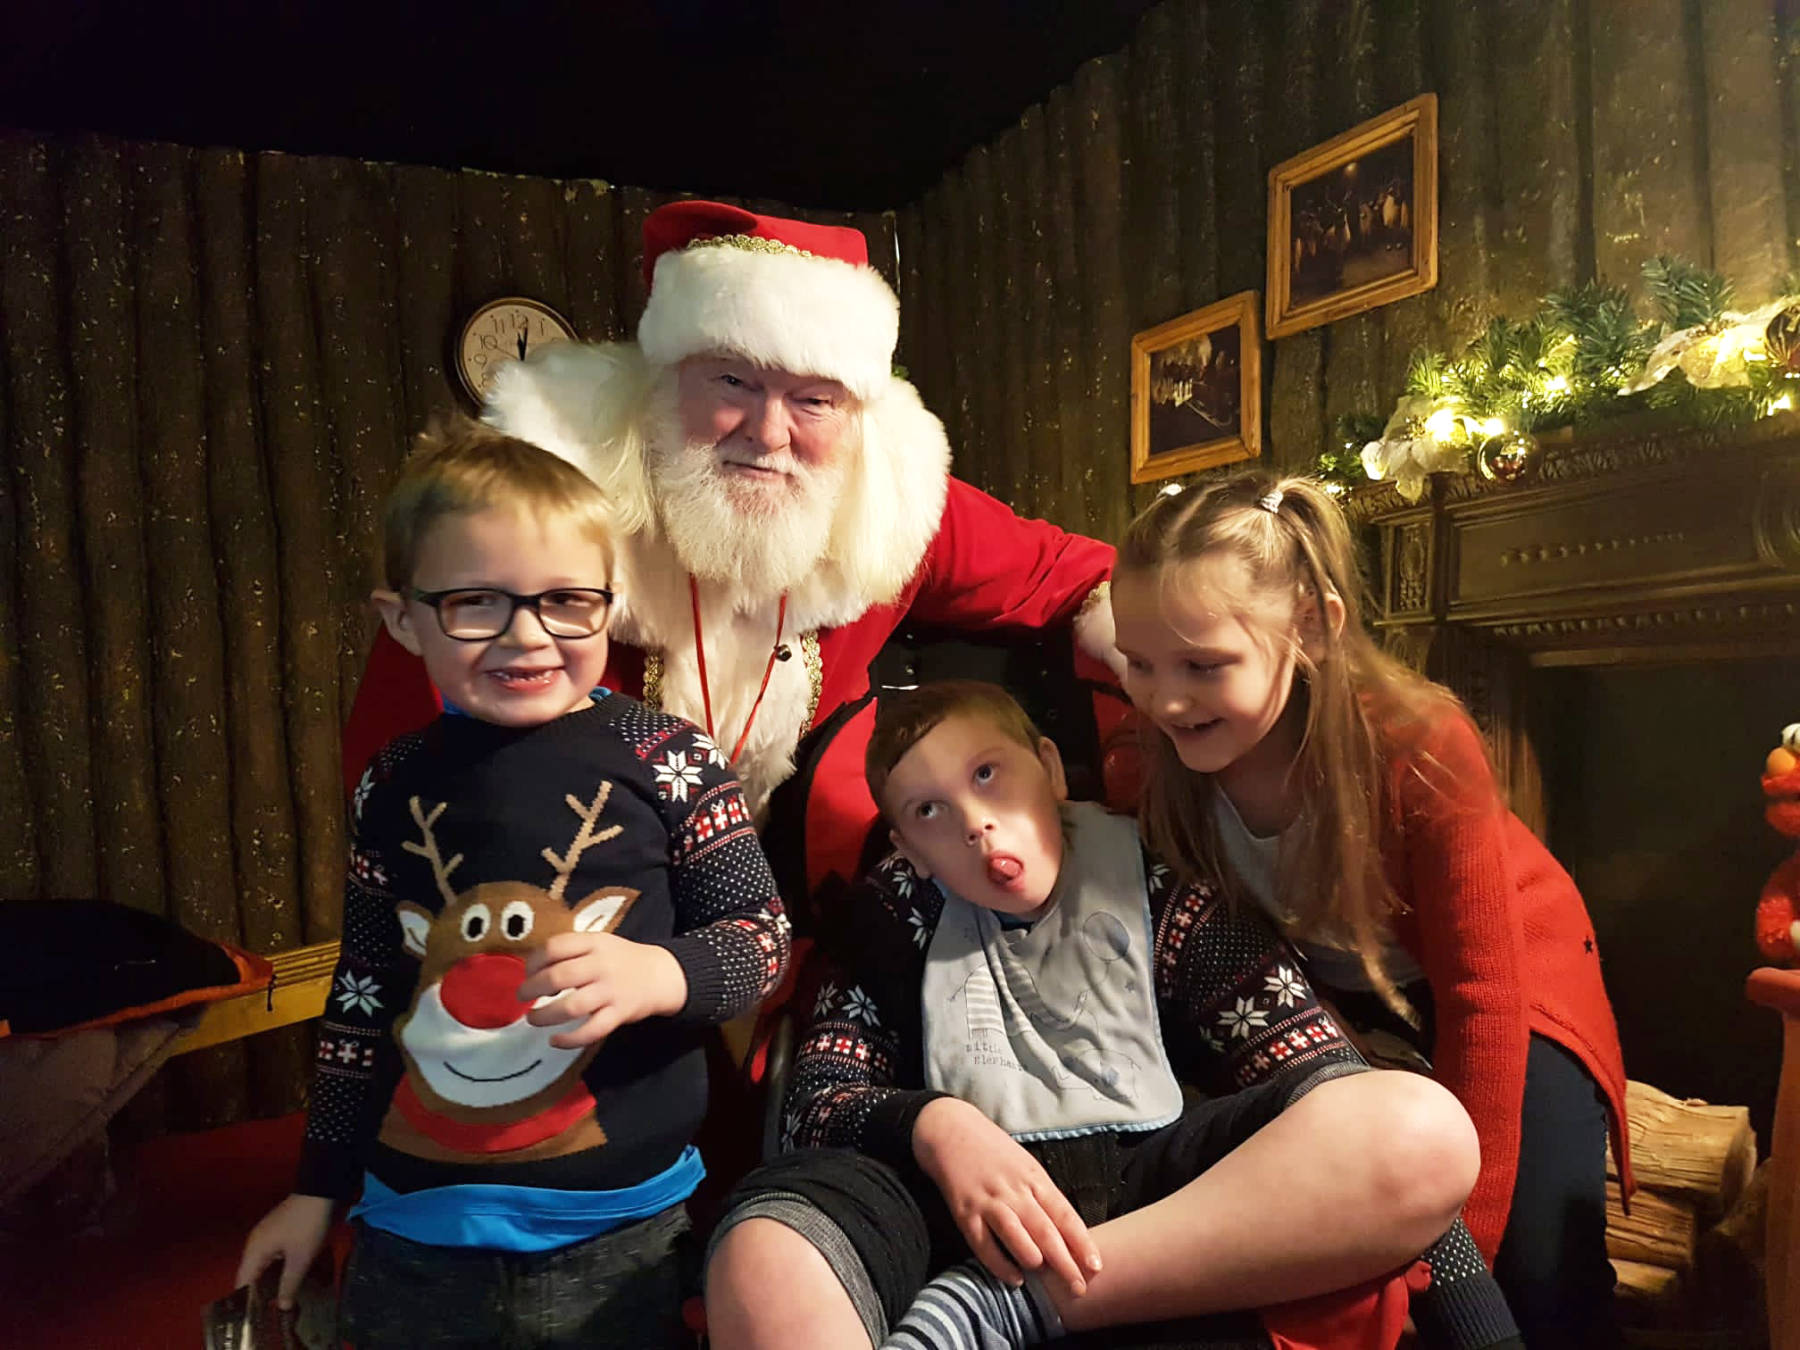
pixel 1731 1252
pixel 1703 1154
pixel 1728 1264
pixel 1660 1230
pixel 1746 1227
pixel 1648 1295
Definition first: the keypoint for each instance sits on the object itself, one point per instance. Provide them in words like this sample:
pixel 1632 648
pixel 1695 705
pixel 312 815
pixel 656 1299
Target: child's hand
pixel 291 1233
pixel 611 981
pixel 1002 1199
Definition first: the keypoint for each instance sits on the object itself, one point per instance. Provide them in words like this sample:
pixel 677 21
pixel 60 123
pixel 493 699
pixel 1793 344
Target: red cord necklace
pixel 776 653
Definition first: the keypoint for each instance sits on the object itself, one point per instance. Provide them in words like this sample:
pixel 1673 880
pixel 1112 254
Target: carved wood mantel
pixel 1643 544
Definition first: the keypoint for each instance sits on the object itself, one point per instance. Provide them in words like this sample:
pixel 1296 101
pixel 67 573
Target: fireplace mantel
pixel 1640 544
pixel 1660 545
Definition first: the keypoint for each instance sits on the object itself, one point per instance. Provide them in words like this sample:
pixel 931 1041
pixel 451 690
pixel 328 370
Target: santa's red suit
pixel 907 540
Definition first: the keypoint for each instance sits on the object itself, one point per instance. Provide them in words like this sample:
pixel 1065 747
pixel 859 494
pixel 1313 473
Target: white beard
pixel 757 539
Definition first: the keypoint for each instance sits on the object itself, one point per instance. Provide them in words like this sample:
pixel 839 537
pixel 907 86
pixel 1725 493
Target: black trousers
pixel 1552 1263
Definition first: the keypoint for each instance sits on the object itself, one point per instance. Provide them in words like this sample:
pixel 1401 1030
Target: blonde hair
pixel 907 718
pixel 1363 709
pixel 459 465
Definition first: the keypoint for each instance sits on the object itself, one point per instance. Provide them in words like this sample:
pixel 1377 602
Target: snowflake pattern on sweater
pixel 426 1071
pixel 1235 1010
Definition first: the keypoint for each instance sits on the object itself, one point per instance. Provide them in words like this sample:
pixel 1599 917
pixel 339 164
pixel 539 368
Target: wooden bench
pixel 296 994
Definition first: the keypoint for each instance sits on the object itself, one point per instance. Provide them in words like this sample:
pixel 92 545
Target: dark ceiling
pixel 814 103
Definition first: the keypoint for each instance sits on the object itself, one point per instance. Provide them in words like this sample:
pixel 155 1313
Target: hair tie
pixel 1270 501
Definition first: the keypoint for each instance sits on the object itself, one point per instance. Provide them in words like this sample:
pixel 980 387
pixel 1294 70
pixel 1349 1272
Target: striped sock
pixel 966 1308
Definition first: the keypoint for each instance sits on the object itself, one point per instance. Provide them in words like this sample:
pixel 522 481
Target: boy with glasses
pixel 552 891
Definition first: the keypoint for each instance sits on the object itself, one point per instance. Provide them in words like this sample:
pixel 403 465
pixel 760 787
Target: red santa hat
pixel 783 293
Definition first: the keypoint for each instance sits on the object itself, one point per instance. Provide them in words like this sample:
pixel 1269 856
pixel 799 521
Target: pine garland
pixel 1585 355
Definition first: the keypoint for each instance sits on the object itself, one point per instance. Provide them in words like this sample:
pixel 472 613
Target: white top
pixel 1250 859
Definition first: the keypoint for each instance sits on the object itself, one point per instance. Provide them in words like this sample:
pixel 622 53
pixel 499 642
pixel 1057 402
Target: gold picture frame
pixel 1196 390
pixel 1353 222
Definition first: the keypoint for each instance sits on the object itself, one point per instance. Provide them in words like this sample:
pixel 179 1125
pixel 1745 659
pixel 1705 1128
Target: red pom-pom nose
pixel 483 990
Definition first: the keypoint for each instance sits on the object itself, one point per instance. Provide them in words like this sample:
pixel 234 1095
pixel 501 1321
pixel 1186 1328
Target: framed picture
pixel 1196 391
pixel 1353 222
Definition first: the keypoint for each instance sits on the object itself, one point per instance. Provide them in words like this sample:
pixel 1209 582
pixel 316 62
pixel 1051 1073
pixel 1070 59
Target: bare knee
pixel 768 1286
pixel 746 1251
pixel 1426 1156
pixel 1412 1144
pixel 757 1255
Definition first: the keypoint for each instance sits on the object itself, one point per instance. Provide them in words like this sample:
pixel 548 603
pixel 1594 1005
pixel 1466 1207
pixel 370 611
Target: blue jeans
pixel 622 1289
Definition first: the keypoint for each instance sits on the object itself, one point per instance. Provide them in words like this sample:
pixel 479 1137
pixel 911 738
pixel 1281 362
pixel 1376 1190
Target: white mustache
pixel 785 465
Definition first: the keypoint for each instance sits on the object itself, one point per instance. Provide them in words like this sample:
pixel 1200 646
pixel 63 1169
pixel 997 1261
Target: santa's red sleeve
pixel 395 697
pixel 990 567
pixel 1467 932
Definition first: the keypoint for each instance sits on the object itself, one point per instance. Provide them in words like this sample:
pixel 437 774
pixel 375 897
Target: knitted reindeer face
pixel 470 1054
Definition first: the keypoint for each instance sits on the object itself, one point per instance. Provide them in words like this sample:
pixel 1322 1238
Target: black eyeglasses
pixel 477 615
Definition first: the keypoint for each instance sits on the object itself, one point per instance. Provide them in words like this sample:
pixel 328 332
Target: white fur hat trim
pixel 777 307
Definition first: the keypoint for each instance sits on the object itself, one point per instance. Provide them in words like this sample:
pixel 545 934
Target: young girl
pixel 1302 770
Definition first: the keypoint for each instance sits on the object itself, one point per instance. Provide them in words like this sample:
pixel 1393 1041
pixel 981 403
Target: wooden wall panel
pixel 1400 74
pixel 1042 414
pixel 1746 198
pixel 1190 160
pixel 1577 139
pixel 1354 347
pixel 1013 426
pixel 188 694
pixel 1069 316
pixel 18 824
pixel 109 516
pixel 1098 90
pixel 1293 78
pixel 1650 193
pixel 1533 47
pixel 982 285
pixel 55 708
pixel 426 225
pixel 1155 167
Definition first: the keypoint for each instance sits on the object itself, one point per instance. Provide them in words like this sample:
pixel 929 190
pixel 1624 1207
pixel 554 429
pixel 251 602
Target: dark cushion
pixel 70 963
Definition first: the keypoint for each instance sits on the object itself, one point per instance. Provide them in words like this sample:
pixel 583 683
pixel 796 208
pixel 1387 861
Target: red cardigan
pixel 1506 943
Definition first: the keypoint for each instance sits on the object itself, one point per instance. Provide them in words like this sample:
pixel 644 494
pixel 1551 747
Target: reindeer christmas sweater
pixel 475 843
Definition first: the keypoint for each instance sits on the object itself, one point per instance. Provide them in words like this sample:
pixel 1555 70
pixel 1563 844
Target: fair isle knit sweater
pixel 1235 1010
pixel 475 843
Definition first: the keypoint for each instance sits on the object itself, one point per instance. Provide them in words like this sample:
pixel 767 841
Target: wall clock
pixel 500 331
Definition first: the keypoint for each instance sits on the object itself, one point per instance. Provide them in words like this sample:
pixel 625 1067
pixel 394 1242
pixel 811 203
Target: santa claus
pixel 789 504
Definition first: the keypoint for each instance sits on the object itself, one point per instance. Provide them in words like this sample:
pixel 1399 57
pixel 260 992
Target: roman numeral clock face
pixel 502 331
